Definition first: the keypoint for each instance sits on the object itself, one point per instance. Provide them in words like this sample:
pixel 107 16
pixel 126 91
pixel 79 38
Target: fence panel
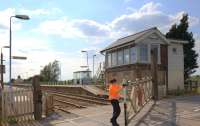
pixel 17 105
pixel 47 104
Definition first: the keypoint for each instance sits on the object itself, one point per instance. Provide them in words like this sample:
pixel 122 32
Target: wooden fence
pixel 47 104
pixel 192 86
pixel 17 105
pixel 137 97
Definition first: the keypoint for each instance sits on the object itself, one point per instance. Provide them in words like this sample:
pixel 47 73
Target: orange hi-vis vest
pixel 114 91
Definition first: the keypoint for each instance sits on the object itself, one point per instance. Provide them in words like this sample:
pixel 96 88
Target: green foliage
pixel 179 92
pixel 181 32
pixel 50 72
pixel 195 78
pixel 9 120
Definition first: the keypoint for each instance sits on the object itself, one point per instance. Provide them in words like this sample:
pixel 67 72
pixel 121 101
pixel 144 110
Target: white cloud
pixel 193 21
pixel 5 19
pixel 39 51
pixel 38 59
pixel 41 11
pixel 66 28
pixel 88 30
pixel 71 28
pixel 91 28
pixel 197 43
pixel 62 27
pixel 149 15
pixel 4 16
pixel 197 49
pixel 5 24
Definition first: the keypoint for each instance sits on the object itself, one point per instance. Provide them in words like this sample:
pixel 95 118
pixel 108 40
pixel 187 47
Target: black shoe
pixel 115 124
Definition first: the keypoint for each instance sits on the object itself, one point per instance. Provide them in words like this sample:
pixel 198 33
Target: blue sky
pixel 60 29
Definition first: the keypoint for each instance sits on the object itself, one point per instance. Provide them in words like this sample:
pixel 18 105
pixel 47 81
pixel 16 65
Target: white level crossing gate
pixel 17 105
pixel 139 94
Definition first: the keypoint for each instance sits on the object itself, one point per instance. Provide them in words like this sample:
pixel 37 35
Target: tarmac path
pixel 179 111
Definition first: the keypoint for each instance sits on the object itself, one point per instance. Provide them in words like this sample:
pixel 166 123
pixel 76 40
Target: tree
pixel 181 32
pixel 50 72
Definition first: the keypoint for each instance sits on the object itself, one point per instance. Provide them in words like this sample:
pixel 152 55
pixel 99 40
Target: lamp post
pixel 87 57
pixel 22 17
pixel 93 64
pixel 2 68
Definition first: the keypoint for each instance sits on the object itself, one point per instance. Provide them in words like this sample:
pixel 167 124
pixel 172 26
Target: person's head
pixel 113 81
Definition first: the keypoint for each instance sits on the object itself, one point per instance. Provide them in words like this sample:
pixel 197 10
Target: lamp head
pixel 83 51
pixel 23 17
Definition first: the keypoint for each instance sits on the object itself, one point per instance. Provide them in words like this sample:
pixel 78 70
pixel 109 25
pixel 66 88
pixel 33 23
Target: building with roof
pixel 130 58
pixel 82 77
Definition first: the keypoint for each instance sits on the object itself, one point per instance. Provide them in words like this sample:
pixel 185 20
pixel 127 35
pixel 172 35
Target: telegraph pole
pixel 93 65
pixel 2 66
pixel 2 69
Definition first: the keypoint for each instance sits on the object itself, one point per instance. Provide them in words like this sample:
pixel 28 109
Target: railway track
pixel 81 96
pixel 65 105
pixel 70 104
pixel 78 99
pixel 66 101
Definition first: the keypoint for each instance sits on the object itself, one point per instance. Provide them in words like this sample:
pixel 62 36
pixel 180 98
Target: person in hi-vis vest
pixel 114 96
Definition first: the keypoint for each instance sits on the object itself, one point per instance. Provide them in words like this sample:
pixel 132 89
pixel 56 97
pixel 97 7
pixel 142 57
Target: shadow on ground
pixel 49 121
pixel 179 111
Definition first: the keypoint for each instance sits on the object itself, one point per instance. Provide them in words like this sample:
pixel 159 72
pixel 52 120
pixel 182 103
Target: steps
pixel 95 90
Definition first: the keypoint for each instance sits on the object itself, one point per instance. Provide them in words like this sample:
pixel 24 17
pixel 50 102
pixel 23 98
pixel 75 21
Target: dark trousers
pixel 116 112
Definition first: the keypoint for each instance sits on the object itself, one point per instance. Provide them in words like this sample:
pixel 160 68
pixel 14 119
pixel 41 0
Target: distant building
pixel 18 80
pixel 82 77
pixel 130 58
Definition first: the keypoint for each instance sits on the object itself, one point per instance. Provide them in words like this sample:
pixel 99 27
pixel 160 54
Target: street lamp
pixel 22 17
pixel 83 51
pixel 93 64
pixel 2 66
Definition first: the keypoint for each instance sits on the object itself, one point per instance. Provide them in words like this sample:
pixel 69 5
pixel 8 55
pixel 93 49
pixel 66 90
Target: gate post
pixel 37 98
pixel 1 110
pixel 154 69
pixel 125 90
